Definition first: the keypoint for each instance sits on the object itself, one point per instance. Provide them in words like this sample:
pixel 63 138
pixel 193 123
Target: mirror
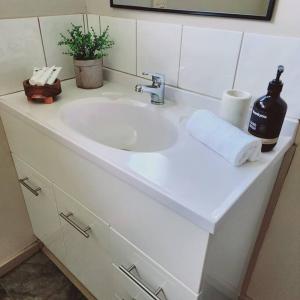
pixel 248 9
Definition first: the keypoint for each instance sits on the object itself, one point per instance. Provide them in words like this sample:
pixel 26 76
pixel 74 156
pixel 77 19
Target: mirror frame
pixel 266 17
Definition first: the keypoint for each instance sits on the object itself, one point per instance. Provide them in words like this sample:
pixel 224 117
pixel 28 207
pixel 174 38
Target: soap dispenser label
pixel 258 122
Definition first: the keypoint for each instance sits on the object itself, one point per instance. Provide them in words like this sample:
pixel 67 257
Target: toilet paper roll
pixel 235 106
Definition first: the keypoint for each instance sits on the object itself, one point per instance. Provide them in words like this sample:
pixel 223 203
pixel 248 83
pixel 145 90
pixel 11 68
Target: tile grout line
pixel 238 61
pixel 43 46
pixel 136 47
pixel 62 80
pixel 167 85
pixel 180 53
pixel 84 22
pixel 99 24
pixel 11 93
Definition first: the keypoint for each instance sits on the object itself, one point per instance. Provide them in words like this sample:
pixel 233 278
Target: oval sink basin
pixel 126 125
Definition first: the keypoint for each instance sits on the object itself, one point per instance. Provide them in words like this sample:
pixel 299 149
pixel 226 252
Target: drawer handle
pixel 158 294
pixel 83 231
pixel 34 191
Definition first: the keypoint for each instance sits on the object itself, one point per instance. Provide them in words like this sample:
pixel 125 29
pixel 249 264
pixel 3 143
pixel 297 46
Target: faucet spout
pixel 145 89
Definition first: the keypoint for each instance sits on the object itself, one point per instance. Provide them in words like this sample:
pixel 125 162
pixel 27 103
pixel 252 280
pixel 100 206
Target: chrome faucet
pixel 156 90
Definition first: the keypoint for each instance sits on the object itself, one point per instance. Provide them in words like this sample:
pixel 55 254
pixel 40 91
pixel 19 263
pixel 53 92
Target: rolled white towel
pixel 231 143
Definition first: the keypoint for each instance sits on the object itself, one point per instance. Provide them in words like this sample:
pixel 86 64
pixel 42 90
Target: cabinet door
pixel 87 249
pixel 41 207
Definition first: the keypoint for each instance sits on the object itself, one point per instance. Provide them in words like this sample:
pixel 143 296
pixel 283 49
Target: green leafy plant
pixel 85 46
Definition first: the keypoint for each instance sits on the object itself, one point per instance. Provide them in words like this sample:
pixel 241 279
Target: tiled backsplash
pixel 20 50
pixel 158 49
pixel 51 27
pixel 122 56
pixel 208 60
pixel 26 43
pixel 202 60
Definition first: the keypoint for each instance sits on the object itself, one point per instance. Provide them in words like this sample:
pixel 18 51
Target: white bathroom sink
pixel 123 124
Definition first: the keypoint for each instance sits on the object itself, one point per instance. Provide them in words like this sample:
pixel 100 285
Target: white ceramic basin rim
pixel 124 124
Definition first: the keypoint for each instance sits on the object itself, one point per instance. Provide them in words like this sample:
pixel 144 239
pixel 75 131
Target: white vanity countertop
pixel 188 177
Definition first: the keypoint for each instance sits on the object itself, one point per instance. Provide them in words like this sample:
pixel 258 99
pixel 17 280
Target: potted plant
pixel 88 50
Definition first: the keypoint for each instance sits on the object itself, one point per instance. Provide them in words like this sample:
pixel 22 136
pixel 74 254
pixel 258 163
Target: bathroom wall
pixel 277 272
pixel 285 20
pixel 21 48
pixel 29 42
pixel 15 227
pixel 30 8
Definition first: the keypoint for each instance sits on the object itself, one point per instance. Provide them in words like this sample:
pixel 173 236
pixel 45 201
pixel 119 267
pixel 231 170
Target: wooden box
pixel 42 94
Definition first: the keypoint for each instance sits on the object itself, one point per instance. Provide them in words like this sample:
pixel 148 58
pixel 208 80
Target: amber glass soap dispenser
pixel 268 114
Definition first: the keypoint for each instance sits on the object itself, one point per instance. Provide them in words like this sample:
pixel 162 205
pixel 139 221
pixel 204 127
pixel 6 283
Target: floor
pixel 37 279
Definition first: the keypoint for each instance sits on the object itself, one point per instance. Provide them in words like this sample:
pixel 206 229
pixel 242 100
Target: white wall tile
pixel 208 60
pixel 122 56
pixel 158 49
pixel 51 27
pixel 93 21
pixel 260 56
pixel 20 50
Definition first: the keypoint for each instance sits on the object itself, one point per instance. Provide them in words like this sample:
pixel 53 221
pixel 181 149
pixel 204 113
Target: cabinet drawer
pixel 87 245
pixel 41 207
pixel 136 276
pixel 125 288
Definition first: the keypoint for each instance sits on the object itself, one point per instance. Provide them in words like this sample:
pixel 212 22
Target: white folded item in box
pixel 45 75
pixel 37 72
pixel 231 143
pixel 54 75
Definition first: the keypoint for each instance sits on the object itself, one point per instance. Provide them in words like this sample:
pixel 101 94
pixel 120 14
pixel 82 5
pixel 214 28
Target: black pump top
pixel 275 86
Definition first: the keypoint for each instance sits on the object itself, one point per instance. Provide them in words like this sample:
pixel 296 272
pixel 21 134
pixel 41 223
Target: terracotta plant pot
pixel 89 74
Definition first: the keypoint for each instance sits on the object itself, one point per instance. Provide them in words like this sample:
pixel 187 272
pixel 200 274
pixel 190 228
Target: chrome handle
pixel 156 77
pixel 83 231
pixel 34 191
pixel 158 294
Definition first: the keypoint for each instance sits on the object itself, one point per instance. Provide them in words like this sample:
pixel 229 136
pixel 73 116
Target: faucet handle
pixel 156 77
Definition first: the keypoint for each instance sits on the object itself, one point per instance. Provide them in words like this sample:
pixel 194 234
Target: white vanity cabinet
pixel 87 245
pixel 41 207
pixel 119 241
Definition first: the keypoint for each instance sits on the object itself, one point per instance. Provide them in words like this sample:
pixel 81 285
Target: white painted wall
pixel 277 273
pixel 285 20
pixel 15 228
pixel 33 8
